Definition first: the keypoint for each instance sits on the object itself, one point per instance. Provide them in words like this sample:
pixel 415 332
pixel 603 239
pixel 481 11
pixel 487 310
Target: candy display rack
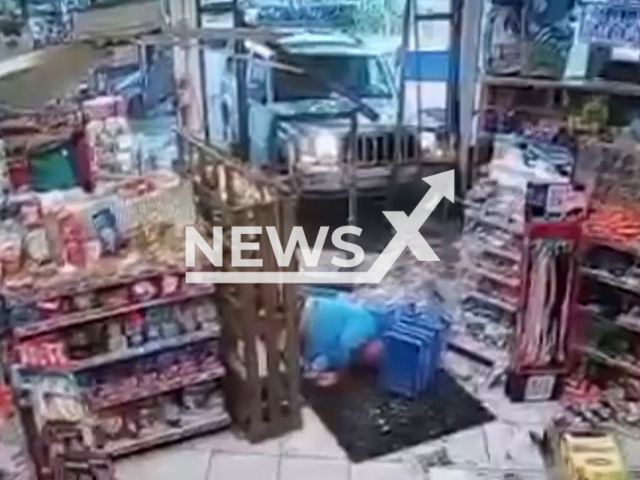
pixel 260 323
pixel 489 269
pixel 116 314
pixel 165 360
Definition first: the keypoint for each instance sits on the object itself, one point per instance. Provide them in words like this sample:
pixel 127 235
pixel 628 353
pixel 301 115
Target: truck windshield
pixel 42 7
pixel 362 75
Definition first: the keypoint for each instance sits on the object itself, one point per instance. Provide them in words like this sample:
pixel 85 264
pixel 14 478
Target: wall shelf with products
pixel 544 73
pixel 144 351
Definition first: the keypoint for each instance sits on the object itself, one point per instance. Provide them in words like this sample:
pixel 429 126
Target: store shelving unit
pixel 75 319
pixel 618 296
pixel 147 375
pixel 489 270
pixel 503 101
pixel 580 85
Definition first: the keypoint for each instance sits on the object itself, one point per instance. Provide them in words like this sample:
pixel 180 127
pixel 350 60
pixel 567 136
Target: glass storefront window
pixel 433 6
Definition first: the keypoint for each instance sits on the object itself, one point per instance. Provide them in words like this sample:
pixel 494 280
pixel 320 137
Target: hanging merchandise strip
pixel 543 332
pixel 545 323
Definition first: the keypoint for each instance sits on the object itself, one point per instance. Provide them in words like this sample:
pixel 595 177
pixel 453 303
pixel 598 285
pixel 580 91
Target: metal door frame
pixel 453 17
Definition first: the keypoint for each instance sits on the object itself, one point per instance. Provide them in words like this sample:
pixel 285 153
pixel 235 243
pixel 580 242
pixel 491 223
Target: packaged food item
pixel 93 251
pixel 186 317
pixel 171 413
pixel 503 40
pixel 170 285
pixel 153 321
pixel 11 253
pixel 144 291
pixel 116 339
pixel 73 238
pixel 84 301
pixel 30 212
pixel 106 227
pixel 114 298
pixel 134 330
pixel 548 37
pixel 37 246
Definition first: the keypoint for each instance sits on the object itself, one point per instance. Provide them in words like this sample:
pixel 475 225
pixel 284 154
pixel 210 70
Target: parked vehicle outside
pixel 315 151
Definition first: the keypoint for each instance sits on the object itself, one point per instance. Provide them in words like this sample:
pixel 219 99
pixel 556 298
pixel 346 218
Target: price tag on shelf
pixel 539 387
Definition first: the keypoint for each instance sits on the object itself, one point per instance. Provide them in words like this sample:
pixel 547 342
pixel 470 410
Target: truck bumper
pixel 370 181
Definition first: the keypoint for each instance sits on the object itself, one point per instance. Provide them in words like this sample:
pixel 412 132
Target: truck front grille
pixel 380 148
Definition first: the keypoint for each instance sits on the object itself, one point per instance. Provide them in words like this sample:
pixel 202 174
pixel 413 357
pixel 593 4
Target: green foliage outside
pixel 379 17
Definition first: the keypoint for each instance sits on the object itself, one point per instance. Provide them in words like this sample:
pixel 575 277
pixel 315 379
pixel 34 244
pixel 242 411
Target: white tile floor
pixel 313 454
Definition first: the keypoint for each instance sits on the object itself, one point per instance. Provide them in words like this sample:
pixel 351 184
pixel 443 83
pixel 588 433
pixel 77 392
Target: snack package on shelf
pixel 101 108
pixel 127 225
pixel 113 144
pixel 615 223
pixel 503 40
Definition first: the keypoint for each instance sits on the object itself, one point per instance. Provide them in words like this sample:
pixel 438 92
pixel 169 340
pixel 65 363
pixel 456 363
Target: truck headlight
pixel 322 148
pixel 428 141
pixel 327 147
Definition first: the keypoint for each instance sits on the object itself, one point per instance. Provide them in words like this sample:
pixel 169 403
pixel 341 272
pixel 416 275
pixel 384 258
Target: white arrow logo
pixel 407 236
pixel 408 228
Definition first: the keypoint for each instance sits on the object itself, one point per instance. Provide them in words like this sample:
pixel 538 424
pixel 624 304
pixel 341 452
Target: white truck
pixel 314 152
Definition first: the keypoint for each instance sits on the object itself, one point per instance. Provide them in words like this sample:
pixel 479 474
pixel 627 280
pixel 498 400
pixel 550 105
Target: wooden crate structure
pixel 260 329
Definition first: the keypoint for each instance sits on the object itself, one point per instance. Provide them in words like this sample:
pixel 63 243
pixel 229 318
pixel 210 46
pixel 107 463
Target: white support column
pixel 187 69
pixel 470 51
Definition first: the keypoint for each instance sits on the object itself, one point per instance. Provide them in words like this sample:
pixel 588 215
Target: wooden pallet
pixel 260 326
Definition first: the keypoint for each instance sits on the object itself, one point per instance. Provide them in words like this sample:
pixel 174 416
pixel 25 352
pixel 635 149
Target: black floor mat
pixel 368 422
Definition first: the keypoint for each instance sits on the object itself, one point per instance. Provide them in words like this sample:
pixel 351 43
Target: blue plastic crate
pixel 404 357
pixel 415 340
pixel 433 339
pixel 421 372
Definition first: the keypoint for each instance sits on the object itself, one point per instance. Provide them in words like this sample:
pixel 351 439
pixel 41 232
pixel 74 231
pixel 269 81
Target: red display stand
pixel 547 321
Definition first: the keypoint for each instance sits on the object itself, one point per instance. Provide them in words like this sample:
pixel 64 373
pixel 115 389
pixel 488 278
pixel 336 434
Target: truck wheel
pixel 136 107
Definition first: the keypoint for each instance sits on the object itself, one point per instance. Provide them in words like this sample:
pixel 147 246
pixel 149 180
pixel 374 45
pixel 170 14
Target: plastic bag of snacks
pixel 101 108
